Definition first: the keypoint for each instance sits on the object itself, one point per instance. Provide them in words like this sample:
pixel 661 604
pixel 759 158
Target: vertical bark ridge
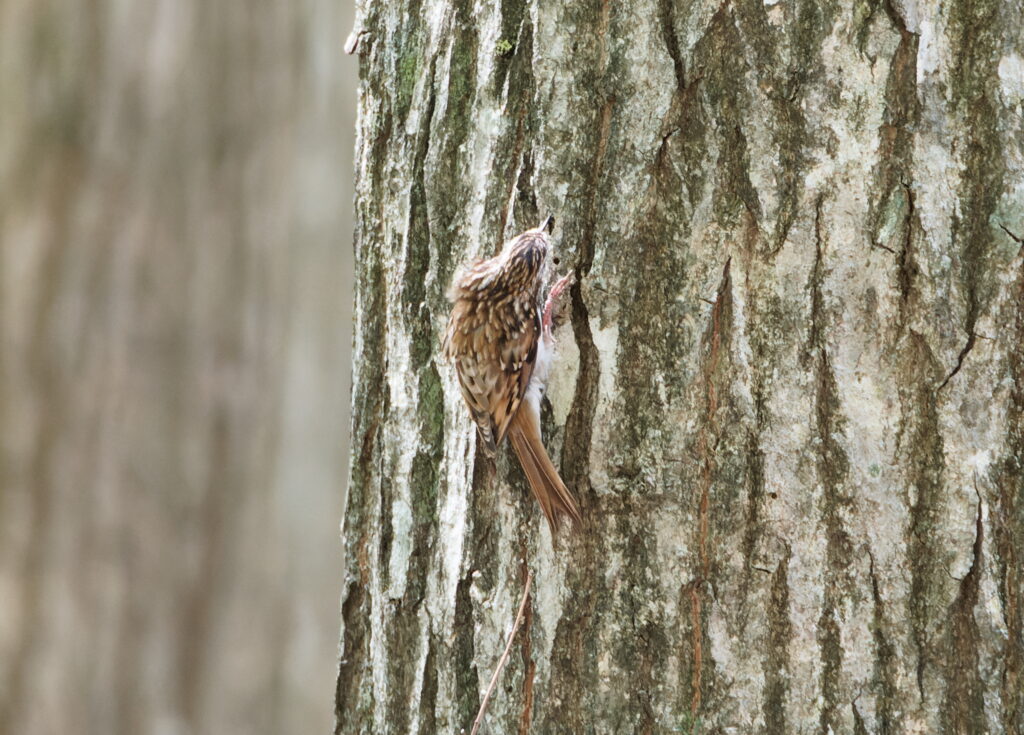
pixel 513 160
pixel 514 25
pixel 886 664
pixel 467 678
pixel 353 701
pixel 529 665
pixel 964 704
pixel 717 344
pixel 1007 505
pixel 923 445
pixel 893 170
pixel 977 29
pixel 832 468
pixel 777 653
pixel 428 695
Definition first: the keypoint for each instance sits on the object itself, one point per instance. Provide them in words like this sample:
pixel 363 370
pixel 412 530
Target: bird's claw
pixel 553 295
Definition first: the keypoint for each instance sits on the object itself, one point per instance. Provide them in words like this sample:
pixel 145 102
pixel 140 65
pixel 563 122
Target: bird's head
pixel 515 272
pixel 524 255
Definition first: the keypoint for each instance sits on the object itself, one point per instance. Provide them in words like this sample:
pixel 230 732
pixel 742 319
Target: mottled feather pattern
pixel 493 331
pixel 494 337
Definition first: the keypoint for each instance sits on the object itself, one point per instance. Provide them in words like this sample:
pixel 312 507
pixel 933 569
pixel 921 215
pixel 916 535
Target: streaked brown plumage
pixel 501 344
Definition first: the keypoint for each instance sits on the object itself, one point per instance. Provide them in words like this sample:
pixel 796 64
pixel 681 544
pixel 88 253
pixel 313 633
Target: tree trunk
pixel 789 396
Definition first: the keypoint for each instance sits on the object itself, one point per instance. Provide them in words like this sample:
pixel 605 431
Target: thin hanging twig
pixel 504 657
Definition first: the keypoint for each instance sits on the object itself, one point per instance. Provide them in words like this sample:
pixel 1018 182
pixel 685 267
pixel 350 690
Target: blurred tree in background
pixel 174 297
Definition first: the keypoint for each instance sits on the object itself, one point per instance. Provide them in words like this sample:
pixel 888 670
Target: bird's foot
pixel 551 303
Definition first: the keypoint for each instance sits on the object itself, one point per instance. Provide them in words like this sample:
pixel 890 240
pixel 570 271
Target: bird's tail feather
pixel 552 494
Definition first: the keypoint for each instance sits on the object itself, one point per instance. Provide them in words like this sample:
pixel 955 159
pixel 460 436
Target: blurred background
pixel 175 267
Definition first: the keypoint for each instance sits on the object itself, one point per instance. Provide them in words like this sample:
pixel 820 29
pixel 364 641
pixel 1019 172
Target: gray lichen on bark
pixel 788 395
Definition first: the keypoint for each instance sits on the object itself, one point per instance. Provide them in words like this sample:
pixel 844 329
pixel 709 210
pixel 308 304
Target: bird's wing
pixel 516 361
pixel 466 343
pixel 493 370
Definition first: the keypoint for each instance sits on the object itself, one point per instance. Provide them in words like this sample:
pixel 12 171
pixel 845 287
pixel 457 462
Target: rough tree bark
pixel 790 394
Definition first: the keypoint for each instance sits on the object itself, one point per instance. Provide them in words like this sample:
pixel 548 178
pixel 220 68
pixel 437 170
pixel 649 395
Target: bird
pixel 501 342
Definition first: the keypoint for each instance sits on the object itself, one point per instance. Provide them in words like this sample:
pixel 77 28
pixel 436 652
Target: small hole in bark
pixel 556 260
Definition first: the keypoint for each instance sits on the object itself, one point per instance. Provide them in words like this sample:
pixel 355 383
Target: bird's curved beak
pixel 548 225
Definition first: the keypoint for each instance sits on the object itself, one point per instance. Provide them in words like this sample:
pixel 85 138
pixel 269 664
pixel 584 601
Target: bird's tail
pixel 552 494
